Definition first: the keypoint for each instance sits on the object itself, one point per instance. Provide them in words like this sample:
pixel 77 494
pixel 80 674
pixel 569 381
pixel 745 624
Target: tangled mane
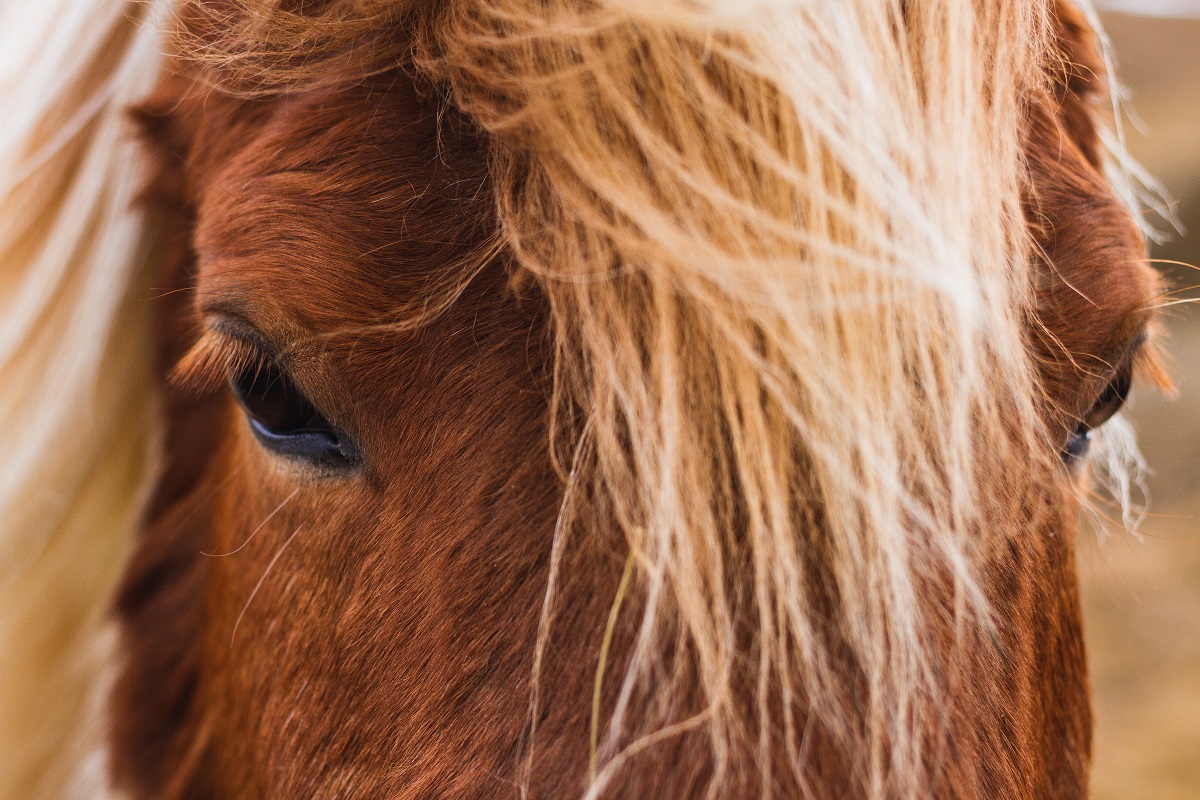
pixel 787 266
pixel 789 278
pixel 760 239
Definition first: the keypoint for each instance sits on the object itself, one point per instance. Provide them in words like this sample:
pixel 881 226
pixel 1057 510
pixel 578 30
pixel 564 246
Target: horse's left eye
pixel 1107 404
pixel 285 421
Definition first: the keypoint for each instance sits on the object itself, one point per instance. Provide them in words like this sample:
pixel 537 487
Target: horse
pixel 557 398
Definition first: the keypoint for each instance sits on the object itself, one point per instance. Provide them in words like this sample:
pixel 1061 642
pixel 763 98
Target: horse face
pixel 320 223
pixel 339 585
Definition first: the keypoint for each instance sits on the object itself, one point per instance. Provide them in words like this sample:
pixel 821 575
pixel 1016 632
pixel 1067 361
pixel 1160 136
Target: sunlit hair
pixel 786 260
pixel 787 263
pixel 783 247
pixel 76 408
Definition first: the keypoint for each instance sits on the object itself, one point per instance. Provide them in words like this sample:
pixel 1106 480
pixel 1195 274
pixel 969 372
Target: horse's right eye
pixel 1106 406
pixel 285 422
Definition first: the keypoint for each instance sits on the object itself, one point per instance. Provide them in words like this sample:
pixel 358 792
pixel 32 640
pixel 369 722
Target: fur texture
pixel 786 316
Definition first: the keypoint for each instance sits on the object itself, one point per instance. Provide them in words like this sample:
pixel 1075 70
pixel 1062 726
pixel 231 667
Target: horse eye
pixel 283 419
pixel 1106 406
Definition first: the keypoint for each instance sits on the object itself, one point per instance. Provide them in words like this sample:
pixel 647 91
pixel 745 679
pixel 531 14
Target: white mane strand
pixel 785 251
pixel 76 410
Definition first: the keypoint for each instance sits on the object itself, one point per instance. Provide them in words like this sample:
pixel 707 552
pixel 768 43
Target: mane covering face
pixel 619 400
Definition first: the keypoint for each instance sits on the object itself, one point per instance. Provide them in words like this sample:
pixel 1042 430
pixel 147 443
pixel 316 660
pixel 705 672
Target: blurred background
pixel 1142 599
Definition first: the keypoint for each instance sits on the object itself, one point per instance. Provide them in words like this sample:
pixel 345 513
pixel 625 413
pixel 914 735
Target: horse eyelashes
pixel 210 362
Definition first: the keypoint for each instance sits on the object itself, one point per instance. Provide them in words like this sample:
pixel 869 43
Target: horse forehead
pixel 328 200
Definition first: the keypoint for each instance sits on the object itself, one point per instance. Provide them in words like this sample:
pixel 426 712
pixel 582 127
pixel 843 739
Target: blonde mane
pixel 76 351
pixel 786 257
pixel 788 269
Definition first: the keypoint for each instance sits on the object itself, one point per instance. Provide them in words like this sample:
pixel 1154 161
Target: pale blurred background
pixel 1142 600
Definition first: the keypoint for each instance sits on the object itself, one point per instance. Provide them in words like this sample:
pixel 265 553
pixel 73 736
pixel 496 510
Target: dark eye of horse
pixel 285 421
pixel 1107 404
